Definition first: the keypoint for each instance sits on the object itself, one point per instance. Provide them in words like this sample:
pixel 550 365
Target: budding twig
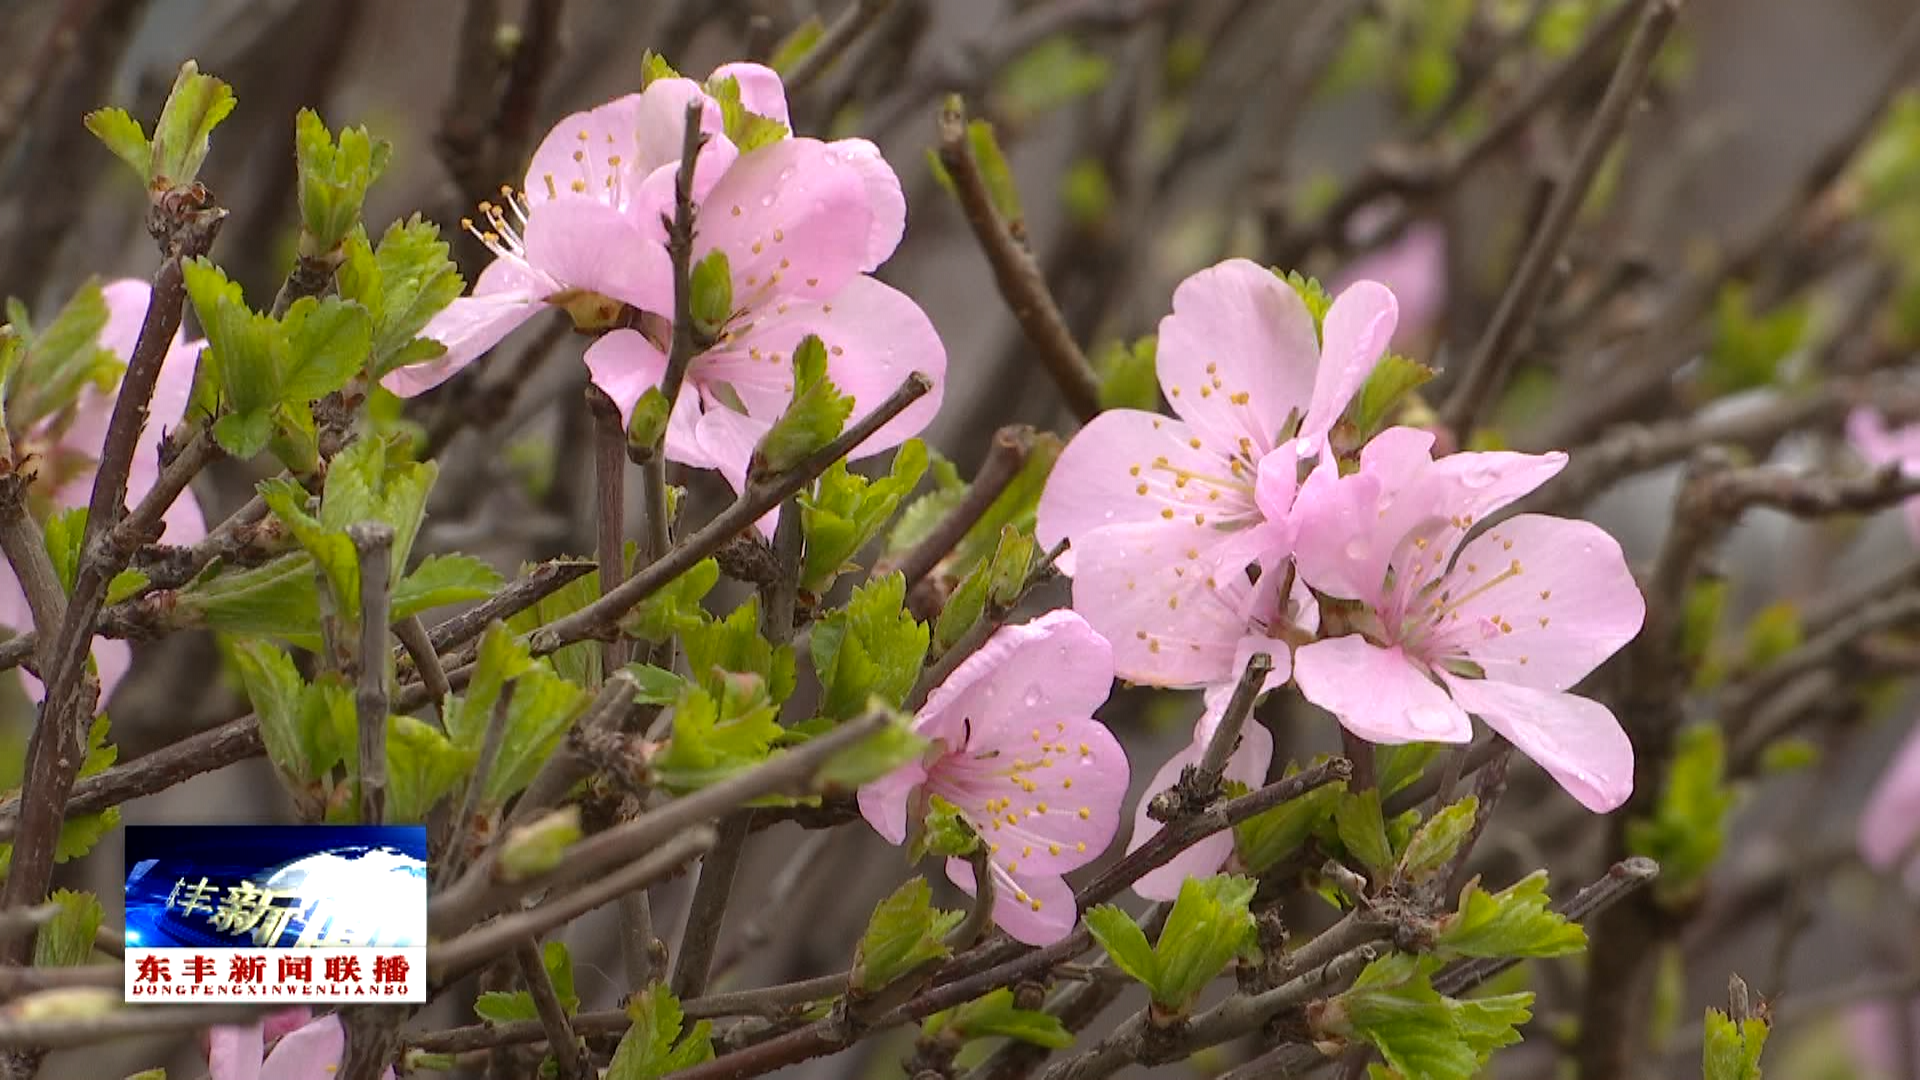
pixel 373 542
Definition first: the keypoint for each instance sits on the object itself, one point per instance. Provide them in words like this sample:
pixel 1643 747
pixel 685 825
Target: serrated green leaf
pixel 544 706
pixel 66 940
pixel 538 846
pixel 1125 943
pixel 676 607
pixel 423 767
pixel 816 414
pixel 652 1046
pixel 872 758
pixel 658 686
pixel 964 607
pixel 796 45
pixel 994 1015
pixel 872 648
pixel 504 1006
pixel 846 510
pixel 403 284
pixel 1400 765
pixel 60 360
pixel 712 292
pixel 328 341
pixel 276 599
pixel 1312 293
pixel 944 833
pixel 443 579
pixel 1731 1050
pixel 180 139
pixel 906 931
pixel 1128 377
pixel 924 514
pixel 1380 396
pixel 1209 925
pixel 333 178
pixel 1266 838
pixel 1513 922
pixel 718 734
pixel 735 645
pixel 654 66
pixel 1362 831
pixel 123 135
pixel 1419 1033
pixel 1437 841
pixel 744 128
pixel 64 531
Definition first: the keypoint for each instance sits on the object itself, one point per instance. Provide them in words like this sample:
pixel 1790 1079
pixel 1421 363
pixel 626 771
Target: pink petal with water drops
pixel 1131 467
pixel 793 220
pixel 1354 335
pixel 1033 909
pixel 1474 485
pixel 1537 601
pixel 761 91
pixel 583 244
pixel 1237 356
pixel 884 198
pixel 507 294
pixel 1248 764
pixel 1890 823
pixel 1174 617
pixel 885 802
pixel 625 365
pixel 656 199
pixel 1051 669
pixel 875 337
pixel 1575 739
pixel 1377 693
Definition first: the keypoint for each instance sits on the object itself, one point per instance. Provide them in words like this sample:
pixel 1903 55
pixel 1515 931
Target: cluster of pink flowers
pixel 64 450
pixel 802 223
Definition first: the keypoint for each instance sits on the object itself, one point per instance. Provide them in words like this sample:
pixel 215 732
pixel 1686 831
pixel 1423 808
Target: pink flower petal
pixel 1339 545
pixel 507 295
pixel 1575 739
pixel 761 90
pixel 1130 467
pixel 1571 604
pixel 885 802
pixel 1237 356
pixel 875 336
pixel 884 198
pixel 793 219
pixel 1378 694
pixel 1248 765
pixel 127 300
pixel 1050 669
pixel 1414 266
pixel 584 244
pixel 1174 617
pixel 1354 336
pixel 235 1051
pixel 1891 821
pixel 1046 798
pixel 1036 910
pixel 311 1053
pixel 660 128
pixel 1475 485
pixel 578 156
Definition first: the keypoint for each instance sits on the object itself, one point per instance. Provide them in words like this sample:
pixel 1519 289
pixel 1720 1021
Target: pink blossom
pixel 300 1050
pixel 1164 515
pixel 65 449
pixel 1890 824
pixel 1414 266
pixel 1016 748
pixel 584 231
pixel 1437 626
pixel 1868 432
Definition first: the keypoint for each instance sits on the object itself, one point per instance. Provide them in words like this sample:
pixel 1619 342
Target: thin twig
pixel 609 493
pixel 853 20
pixel 373 542
pixel 1006 456
pixel 707 907
pixel 419 648
pixel 567 1051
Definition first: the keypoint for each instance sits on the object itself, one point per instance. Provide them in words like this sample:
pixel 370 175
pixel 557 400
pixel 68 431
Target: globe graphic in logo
pixel 367 896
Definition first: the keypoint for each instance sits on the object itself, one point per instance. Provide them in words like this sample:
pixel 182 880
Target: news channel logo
pixel 276 913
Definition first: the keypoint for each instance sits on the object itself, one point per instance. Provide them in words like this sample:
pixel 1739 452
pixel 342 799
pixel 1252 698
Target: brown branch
pixel 1006 456
pixel 853 20
pixel 1493 357
pixel 373 542
pixel 1022 283
pixel 567 1051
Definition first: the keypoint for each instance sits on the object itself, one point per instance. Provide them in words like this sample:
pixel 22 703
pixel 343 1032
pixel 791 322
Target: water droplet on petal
pixel 1478 477
pixel 766 200
pixel 1356 549
pixel 1032 696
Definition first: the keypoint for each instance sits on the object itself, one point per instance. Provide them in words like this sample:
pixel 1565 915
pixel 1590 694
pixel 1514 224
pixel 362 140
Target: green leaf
pixel 123 135
pixel 944 832
pixel 544 706
pixel 1357 819
pixel 559 964
pixel 307 730
pixel 125 585
pixel 244 434
pixel 1128 379
pixel 328 341
pixel 994 170
pixel 718 734
pixel 1058 71
pixel 675 608
pixel 195 107
pixel 403 284
pixel 443 579
pixel 278 598
pixel 249 347
pixel 653 1046
pixel 504 1006
pixel 1749 351
pixel 1380 396
pixel 994 1015
pixel 333 179
pixel 1773 633
pixel 906 931
pixel 423 767
pixel 1125 943
pixel 1419 1033
pixel 846 510
pixel 66 940
pixel 57 362
pixel 745 129
pixel 712 293
pixel 538 846
pixel 1732 1049
pixel 1315 295
pixel 964 607
pixel 925 513
pixel 871 648
pixel 654 66
pixel 814 417
pixel 872 758
pixel 1513 922
pixel 1264 839
pixel 1400 765
pixel 1087 195
pixel 658 686
pixel 796 45
pixel 579 663
pixel 1689 823
pixel 648 425
pixel 735 645
pixel 1209 925
pixel 64 531
pixel 1437 841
